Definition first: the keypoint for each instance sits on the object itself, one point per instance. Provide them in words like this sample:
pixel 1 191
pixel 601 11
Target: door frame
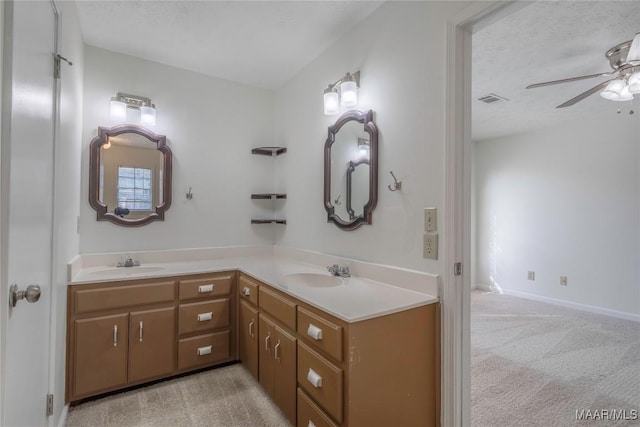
pixel 456 292
pixel 4 312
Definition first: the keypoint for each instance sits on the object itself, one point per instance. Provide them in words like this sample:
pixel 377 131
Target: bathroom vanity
pixel 329 351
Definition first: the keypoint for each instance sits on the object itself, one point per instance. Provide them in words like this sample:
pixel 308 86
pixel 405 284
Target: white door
pixel 27 178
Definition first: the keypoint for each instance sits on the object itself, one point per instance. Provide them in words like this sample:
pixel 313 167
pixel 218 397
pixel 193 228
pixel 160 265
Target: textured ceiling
pixel 540 42
pixel 259 43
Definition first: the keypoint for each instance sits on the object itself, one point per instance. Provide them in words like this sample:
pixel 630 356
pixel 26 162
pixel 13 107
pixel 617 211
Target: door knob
pixel 31 294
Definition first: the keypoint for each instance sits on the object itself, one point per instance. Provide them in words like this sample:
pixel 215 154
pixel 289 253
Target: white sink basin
pixel 314 280
pixel 117 271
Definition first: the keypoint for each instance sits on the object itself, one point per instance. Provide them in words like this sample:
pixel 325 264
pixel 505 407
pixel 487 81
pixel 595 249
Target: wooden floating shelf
pixel 269 196
pixel 269 151
pixel 268 221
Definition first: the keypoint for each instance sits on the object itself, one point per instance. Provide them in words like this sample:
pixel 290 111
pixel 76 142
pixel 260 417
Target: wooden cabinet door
pixel 100 354
pixel 267 334
pixel 285 354
pixel 152 343
pixel 249 337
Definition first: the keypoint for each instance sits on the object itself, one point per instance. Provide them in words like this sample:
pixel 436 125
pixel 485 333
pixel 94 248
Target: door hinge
pixel 49 405
pixel 457 269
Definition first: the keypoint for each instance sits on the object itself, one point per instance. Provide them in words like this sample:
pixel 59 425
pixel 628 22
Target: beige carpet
pixel 224 397
pixel 535 364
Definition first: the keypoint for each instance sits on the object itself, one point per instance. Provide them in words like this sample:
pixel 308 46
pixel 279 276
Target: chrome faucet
pixel 336 270
pixel 129 262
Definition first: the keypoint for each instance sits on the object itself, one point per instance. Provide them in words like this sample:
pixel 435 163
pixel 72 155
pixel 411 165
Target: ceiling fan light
pixel 613 90
pixel 634 50
pixel 634 83
pixel 625 94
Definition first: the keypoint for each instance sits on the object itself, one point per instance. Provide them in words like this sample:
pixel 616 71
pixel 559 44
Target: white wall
pixel 399 50
pixel 563 201
pixel 211 126
pixel 67 192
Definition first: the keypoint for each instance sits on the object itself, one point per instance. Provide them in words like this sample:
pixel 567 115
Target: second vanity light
pixel 122 101
pixel 347 95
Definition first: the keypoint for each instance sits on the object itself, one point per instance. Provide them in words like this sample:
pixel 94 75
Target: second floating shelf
pixel 269 196
pixel 268 221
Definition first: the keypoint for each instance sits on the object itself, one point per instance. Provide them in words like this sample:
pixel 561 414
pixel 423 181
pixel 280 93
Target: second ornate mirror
pixel 351 170
pixel 129 175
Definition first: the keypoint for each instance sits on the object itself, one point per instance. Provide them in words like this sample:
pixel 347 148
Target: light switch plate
pixel 430 246
pixel 430 220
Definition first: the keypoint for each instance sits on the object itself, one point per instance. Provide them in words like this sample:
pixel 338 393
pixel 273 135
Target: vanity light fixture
pixel 122 101
pixel 347 96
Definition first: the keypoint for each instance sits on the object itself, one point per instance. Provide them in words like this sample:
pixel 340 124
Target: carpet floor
pixel 224 397
pixel 536 364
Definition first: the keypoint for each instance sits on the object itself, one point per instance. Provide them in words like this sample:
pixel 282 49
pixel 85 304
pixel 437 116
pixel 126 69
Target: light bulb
pixel 613 90
pixel 118 110
pixel 107 145
pixel 634 83
pixel 148 115
pixel 348 93
pixel 331 102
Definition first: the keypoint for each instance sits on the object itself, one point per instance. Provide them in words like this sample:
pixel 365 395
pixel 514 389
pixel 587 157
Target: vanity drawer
pixel 323 334
pixel 203 350
pixel 200 316
pixel 111 297
pixel 310 414
pixel 321 380
pixel 207 287
pixel 248 289
pixel 278 307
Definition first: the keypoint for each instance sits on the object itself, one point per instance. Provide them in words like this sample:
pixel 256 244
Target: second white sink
pixel 315 280
pixel 117 271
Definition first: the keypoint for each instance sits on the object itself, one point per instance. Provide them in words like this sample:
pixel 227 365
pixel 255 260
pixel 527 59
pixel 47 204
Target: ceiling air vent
pixel 491 98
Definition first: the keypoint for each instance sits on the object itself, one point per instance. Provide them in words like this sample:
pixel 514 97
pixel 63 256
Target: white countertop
pixel 356 298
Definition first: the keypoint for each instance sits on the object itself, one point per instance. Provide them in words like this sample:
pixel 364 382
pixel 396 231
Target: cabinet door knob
pixel 115 335
pixel 311 424
pixel 205 350
pixel 266 343
pixel 246 291
pixel 276 349
pixel 314 332
pixel 140 331
pixel 251 324
pixel 202 317
pixel 205 288
pixel 314 378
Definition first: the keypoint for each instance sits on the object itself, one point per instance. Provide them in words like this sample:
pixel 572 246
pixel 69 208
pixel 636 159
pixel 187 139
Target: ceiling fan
pixel 624 58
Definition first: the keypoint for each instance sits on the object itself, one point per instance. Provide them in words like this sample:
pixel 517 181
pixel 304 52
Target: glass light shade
pixel 147 116
pixel 634 49
pixel 107 145
pixel 613 90
pixel 625 95
pixel 118 110
pixel 331 103
pixel 348 93
pixel 634 83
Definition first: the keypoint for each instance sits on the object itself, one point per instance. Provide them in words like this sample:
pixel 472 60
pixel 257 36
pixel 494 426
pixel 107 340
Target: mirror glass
pixel 351 170
pixel 130 167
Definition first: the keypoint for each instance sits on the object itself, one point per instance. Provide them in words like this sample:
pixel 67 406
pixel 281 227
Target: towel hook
pixel 189 194
pixel 397 185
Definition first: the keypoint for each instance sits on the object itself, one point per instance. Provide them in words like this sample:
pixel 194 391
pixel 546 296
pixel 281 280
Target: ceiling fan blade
pixel 585 94
pixel 571 79
pixel 634 50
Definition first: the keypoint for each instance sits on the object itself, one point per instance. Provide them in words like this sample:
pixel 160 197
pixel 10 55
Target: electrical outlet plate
pixel 531 275
pixel 430 246
pixel 430 220
pixel 563 280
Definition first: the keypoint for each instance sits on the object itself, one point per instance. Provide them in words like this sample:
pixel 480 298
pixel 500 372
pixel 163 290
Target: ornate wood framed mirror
pixel 129 175
pixel 351 170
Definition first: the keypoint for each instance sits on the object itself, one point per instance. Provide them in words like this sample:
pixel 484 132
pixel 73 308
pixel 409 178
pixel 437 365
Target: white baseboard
pixel 584 307
pixel 63 416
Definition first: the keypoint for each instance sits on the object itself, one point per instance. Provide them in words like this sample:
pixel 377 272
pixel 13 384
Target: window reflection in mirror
pixel 132 184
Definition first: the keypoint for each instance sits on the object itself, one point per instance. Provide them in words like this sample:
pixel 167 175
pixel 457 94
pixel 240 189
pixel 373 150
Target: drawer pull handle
pixel 275 351
pixel 246 291
pixel 266 343
pixel 251 324
pixel 115 335
pixel 140 331
pixel 311 424
pixel 314 378
pixel 203 289
pixel 202 317
pixel 314 332
pixel 205 350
